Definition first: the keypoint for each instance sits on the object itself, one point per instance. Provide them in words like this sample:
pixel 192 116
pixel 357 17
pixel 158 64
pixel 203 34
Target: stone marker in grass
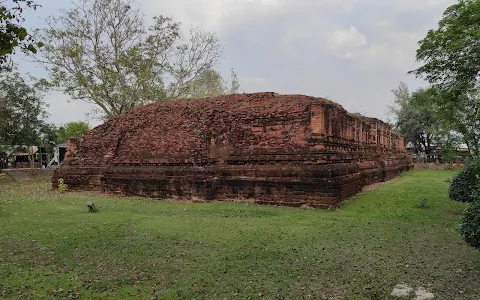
pixel 91 207
pixel 423 203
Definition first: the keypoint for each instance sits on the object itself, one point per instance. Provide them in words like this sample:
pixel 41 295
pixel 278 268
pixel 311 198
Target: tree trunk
pixel 475 146
pixel 30 157
pixel 41 158
pixel 429 144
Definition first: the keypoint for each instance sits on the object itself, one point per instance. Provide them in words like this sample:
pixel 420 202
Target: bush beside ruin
pixel 466 183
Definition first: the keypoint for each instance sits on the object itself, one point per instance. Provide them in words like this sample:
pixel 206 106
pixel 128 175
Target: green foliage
pixel 61 134
pixel 22 115
pixel 451 62
pixel 466 184
pixel 12 34
pixel 75 129
pixel 415 120
pixel 470 225
pixel 448 155
pixel 101 51
pixel 233 250
pixel 449 142
pixel 22 111
pixel 62 187
pixel 210 84
pixel 71 130
pixel 449 52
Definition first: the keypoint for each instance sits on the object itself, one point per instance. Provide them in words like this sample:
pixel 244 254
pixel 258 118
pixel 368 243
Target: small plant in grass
pixel 470 225
pixel 465 183
pixel 62 187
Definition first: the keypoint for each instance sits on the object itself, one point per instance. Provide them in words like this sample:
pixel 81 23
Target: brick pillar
pixel 317 124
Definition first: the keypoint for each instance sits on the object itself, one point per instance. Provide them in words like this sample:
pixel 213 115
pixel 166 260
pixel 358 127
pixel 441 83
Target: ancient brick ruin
pixel 271 149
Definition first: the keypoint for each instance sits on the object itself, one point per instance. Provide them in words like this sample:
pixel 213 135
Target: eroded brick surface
pixel 272 149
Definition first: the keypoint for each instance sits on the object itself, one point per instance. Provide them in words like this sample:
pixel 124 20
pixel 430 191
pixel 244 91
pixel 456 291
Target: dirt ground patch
pixel 437 167
pixel 27 174
pixel 404 291
pixel 376 185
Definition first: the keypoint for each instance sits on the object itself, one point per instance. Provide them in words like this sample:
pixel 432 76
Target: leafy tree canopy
pixel 210 84
pixel 101 51
pixel 450 57
pixel 22 113
pixel 71 130
pixel 415 120
pixel 12 33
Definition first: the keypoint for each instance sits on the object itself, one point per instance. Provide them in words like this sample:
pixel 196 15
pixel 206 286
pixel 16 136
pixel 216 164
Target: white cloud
pixel 346 43
pixel 256 84
pixel 220 15
pixel 63 110
pixel 343 38
pixel 212 15
pixel 396 49
pixel 421 6
pixel 354 51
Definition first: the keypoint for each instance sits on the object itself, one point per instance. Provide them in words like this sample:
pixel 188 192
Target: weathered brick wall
pixel 272 149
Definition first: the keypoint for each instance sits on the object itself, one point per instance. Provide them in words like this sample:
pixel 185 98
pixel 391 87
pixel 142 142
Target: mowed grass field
pixel 150 249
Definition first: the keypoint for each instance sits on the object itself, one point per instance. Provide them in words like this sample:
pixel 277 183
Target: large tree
pixel 450 57
pixel 12 33
pixel 102 51
pixel 22 113
pixel 416 120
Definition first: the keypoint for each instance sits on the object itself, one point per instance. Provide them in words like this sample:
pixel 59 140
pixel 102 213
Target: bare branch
pixel 100 51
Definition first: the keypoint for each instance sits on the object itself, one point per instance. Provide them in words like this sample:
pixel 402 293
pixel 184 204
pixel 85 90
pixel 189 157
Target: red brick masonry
pixel 272 149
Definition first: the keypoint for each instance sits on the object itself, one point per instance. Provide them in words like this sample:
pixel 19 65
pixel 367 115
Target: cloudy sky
pixel 351 51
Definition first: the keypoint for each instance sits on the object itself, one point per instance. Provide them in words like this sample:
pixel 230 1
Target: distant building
pixel 58 155
pixel 17 157
pixel 437 156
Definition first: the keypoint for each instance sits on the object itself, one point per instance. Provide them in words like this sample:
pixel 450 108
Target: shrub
pixel 62 187
pixel 470 225
pixel 465 184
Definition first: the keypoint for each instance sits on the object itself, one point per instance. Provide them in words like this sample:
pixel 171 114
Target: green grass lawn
pixel 51 247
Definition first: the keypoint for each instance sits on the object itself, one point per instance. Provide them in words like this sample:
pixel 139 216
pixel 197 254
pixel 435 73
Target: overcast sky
pixel 351 51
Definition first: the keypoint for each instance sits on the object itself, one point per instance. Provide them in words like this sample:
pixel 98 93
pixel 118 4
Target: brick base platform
pixel 271 149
